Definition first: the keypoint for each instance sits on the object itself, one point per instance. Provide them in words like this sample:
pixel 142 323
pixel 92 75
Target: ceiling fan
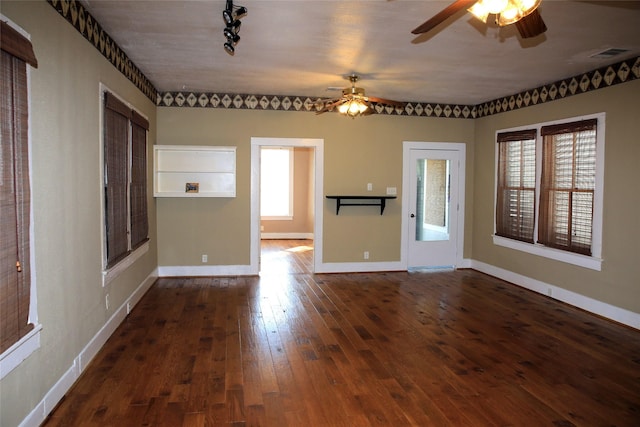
pixel 523 13
pixel 354 102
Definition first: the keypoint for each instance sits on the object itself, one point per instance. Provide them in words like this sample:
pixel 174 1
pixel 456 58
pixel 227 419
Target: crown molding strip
pixel 75 13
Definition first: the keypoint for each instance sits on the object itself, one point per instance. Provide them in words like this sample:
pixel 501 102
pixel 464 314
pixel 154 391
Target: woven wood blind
pixel 116 146
pixel 125 144
pixel 139 222
pixel 16 45
pixel 568 185
pixel 515 201
pixel 15 284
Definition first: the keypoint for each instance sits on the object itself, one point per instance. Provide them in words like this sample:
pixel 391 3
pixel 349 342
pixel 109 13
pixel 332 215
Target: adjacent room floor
pixel 290 348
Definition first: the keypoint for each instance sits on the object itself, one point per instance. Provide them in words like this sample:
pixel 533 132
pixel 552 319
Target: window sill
pixel 17 353
pixel 585 261
pixel 109 275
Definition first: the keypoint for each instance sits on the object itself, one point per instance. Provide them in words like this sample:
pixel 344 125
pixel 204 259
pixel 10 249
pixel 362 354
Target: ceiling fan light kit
pixel 523 13
pixel 506 11
pixel 231 15
pixel 353 108
pixel 354 102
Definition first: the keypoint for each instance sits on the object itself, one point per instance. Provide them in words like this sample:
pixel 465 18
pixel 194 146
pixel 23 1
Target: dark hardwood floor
pixel 291 348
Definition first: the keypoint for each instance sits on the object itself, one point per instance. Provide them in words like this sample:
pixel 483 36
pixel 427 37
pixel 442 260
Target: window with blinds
pixel 516 189
pixel 15 195
pixel 125 179
pixel 567 185
pixel 549 186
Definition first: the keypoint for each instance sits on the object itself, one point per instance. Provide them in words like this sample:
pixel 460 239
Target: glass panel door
pixel 433 206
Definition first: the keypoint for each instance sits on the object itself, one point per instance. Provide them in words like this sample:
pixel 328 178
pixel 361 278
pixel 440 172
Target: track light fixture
pixel 231 15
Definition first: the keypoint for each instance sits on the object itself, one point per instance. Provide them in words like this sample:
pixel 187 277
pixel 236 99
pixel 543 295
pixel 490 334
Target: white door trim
pixel 407 146
pixel 318 145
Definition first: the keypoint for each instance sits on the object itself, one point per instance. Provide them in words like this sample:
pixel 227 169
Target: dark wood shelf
pixel 379 201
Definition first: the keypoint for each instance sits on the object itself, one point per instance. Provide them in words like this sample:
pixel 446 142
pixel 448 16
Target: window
pixel 549 190
pixel 17 313
pixel 568 185
pixel 276 183
pixel 516 185
pixel 125 179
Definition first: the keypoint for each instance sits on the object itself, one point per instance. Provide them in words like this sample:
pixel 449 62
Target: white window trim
pixel 291 185
pixel 110 274
pixel 593 262
pixel 23 348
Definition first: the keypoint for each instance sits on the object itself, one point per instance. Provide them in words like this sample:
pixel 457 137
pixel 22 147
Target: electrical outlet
pixel 366 254
pixel 106 301
pixel 205 257
pixel 369 187
pixel 392 191
pixel 128 307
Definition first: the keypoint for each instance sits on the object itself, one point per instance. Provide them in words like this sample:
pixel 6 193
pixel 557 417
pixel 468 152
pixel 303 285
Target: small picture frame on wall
pixel 192 187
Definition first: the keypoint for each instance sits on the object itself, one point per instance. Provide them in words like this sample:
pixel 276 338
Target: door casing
pixel 318 146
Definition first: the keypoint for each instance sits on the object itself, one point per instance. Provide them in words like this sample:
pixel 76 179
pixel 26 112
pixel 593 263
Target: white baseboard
pixel 66 381
pixel 359 267
pixel 591 305
pixel 204 270
pixel 289 236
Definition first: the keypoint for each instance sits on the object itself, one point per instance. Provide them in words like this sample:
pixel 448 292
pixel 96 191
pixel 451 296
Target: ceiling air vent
pixel 609 53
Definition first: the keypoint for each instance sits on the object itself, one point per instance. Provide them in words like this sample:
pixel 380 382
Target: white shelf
pixel 211 168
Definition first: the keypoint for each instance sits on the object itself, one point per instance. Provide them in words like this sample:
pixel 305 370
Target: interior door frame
pixel 318 189
pixel 460 148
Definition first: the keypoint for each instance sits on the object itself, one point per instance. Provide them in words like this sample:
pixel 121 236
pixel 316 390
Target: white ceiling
pixel 303 47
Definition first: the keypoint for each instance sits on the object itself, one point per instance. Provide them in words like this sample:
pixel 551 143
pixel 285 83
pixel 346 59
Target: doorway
pixel 433 192
pixel 316 189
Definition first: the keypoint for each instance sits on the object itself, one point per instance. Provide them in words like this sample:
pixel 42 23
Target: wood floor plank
pixel 292 348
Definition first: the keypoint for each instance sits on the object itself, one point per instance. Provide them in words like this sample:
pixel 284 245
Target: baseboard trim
pixel 359 267
pixel 204 270
pixel 611 312
pixel 66 381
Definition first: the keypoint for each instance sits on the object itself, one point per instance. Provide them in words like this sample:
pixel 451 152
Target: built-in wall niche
pixel 194 171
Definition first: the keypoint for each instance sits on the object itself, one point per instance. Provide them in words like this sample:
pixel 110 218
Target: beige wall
pixel 619 281
pixel 66 194
pixel 356 152
pixel 66 189
pixel 302 221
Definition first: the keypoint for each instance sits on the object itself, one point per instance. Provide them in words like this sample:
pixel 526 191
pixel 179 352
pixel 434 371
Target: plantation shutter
pixel 515 201
pixel 15 197
pixel 568 185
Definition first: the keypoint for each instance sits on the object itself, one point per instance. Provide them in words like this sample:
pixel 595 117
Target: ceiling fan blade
pixel 443 15
pixel 531 25
pixel 385 101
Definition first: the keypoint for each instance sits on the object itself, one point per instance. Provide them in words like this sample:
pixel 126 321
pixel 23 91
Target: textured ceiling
pixel 304 47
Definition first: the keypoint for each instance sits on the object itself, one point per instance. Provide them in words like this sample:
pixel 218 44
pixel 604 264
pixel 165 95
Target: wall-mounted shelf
pixel 194 171
pixel 373 201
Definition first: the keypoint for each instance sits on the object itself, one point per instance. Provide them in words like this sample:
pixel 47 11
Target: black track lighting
pixel 233 38
pixel 228 46
pixel 231 15
pixel 234 28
